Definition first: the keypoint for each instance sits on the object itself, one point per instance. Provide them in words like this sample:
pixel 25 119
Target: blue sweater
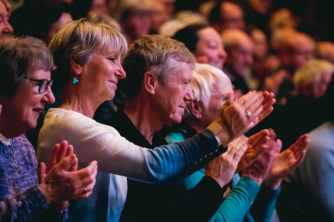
pixel 20 197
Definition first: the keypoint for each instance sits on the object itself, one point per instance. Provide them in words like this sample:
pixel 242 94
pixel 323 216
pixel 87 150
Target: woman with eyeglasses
pixel 25 65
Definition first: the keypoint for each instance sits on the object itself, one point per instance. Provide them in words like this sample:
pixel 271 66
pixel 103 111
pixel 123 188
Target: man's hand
pixel 223 167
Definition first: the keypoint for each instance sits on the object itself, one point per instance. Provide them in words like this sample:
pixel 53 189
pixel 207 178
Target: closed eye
pixel 112 59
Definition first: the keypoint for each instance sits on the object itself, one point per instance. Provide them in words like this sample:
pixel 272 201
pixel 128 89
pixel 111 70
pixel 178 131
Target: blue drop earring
pixel 75 80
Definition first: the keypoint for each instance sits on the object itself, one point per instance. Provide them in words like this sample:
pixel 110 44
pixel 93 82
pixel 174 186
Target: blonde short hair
pixel 311 72
pixel 79 40
pixel 203 79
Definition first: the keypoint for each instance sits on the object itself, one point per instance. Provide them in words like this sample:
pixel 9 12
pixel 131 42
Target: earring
pixel 75 80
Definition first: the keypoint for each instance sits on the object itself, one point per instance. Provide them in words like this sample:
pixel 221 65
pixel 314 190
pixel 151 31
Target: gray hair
pixel 311 72
pixel 156 54
pixel 79 40
pixel 202 83
pixel 19 56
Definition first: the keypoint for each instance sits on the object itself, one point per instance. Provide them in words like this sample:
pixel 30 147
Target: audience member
pixel 135 18
pixel 205 43
pixel 282 19
pixel 212 89
pixel 156 91
pixel 294 49
pixel 5 27
pixel 105 19
pixel 307 192
pixel 159 15
pixel 40 19
pixel 87 56
pixel 239 48
pixel 227 15
pixel 25 65
pixel 325 50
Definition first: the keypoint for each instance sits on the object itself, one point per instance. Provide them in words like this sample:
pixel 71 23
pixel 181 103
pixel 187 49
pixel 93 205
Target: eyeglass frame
pixel 41 82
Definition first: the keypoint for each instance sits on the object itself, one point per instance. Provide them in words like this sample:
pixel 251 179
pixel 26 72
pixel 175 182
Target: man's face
pixel 138 23
pixel 240 57
pixel 320 88
pixel 5 27
pixel 170 98
pixel 300 52
pixel 232 16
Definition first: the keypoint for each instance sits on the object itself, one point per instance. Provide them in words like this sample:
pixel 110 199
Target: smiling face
pixel 24 108
pixel 210 45
pixel 5 27
pixel 221 92
pixel 100 75
pixel 170 98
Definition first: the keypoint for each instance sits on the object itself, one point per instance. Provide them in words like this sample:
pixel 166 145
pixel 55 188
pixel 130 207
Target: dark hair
pixel 18 57
pixel 189 35
pixel 215 15
pixel 35 17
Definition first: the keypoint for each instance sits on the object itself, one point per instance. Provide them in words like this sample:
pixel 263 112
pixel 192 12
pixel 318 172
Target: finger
pixel 87 171
pixel 272 133
pixel 74 166
pixel 254 103
pixel 246 97
pixel 258 135
pixel 66 163
pixel 41 172
pixel 53 157
pixel 265 113
pixel 62 151
pixel 84 194
pixel 240 153
pixel 299 160
pixel 295 147
pixel 69 150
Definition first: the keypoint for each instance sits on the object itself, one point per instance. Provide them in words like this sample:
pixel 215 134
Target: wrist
pixel 220 131
pixel 44 189
pixel 257 179
pixel 273 184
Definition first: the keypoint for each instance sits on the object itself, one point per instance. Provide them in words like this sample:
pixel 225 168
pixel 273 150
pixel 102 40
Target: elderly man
pixel 157 86
pixel 239 48
pixel 294 49
pixel 227 15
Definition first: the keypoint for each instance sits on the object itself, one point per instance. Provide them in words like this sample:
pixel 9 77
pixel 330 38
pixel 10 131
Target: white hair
pixel 204 76
pixel 311 72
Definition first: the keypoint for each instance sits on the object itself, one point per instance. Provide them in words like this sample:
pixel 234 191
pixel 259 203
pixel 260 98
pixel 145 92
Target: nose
pixel 120 73
pixel 189 96
pixel 48 97
pixel 223 54
pixel 8 28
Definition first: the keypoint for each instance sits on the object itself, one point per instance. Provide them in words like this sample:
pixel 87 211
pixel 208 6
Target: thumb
pixel 41 172
pixel 65 164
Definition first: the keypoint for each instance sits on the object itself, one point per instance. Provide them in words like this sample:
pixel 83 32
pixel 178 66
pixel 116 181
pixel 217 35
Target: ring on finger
pixel 248 113
pixel 85 190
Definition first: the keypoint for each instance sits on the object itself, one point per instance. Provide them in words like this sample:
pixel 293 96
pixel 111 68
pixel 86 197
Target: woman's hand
pixel 233 121
pixel 256 145
pixel 286 161
pixel 60 181
pixel 223 167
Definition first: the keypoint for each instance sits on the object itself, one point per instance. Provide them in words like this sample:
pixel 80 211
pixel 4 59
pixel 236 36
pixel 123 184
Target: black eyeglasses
pixel 42 84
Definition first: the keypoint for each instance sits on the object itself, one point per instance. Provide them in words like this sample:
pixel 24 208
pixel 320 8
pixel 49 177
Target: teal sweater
pixel 238 204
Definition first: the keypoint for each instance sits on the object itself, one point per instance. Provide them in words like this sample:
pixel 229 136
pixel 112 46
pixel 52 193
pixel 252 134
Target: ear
pixel 75 67
pixel 195 108
pixel 150 82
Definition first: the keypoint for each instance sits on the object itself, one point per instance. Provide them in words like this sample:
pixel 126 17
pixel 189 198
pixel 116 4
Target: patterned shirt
pixel 20 197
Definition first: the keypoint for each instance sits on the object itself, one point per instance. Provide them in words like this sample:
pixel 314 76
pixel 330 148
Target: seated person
pixel 307 192
pixel 157 89
pixel 25 88
pixel 205 43
pixel 212 89
pixel 88 59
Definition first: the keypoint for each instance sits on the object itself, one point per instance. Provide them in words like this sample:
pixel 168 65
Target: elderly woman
pixel 25 65
pixel 205 42
pixel 212 88
pixel 88 58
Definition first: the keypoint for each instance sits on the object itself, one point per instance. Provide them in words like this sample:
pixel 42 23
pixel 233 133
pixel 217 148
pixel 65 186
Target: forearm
pixel 236 205
pixel 264 204
pixel 25 207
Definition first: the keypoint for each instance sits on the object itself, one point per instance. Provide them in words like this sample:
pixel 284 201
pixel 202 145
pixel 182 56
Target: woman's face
pixel 24 108
pixel 100 75
pixel 210 47
pixel 221 92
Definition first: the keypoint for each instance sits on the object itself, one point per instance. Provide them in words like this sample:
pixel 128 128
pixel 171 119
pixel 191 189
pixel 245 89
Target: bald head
pixel 239 48
pixel 295 49
pixel 325 50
